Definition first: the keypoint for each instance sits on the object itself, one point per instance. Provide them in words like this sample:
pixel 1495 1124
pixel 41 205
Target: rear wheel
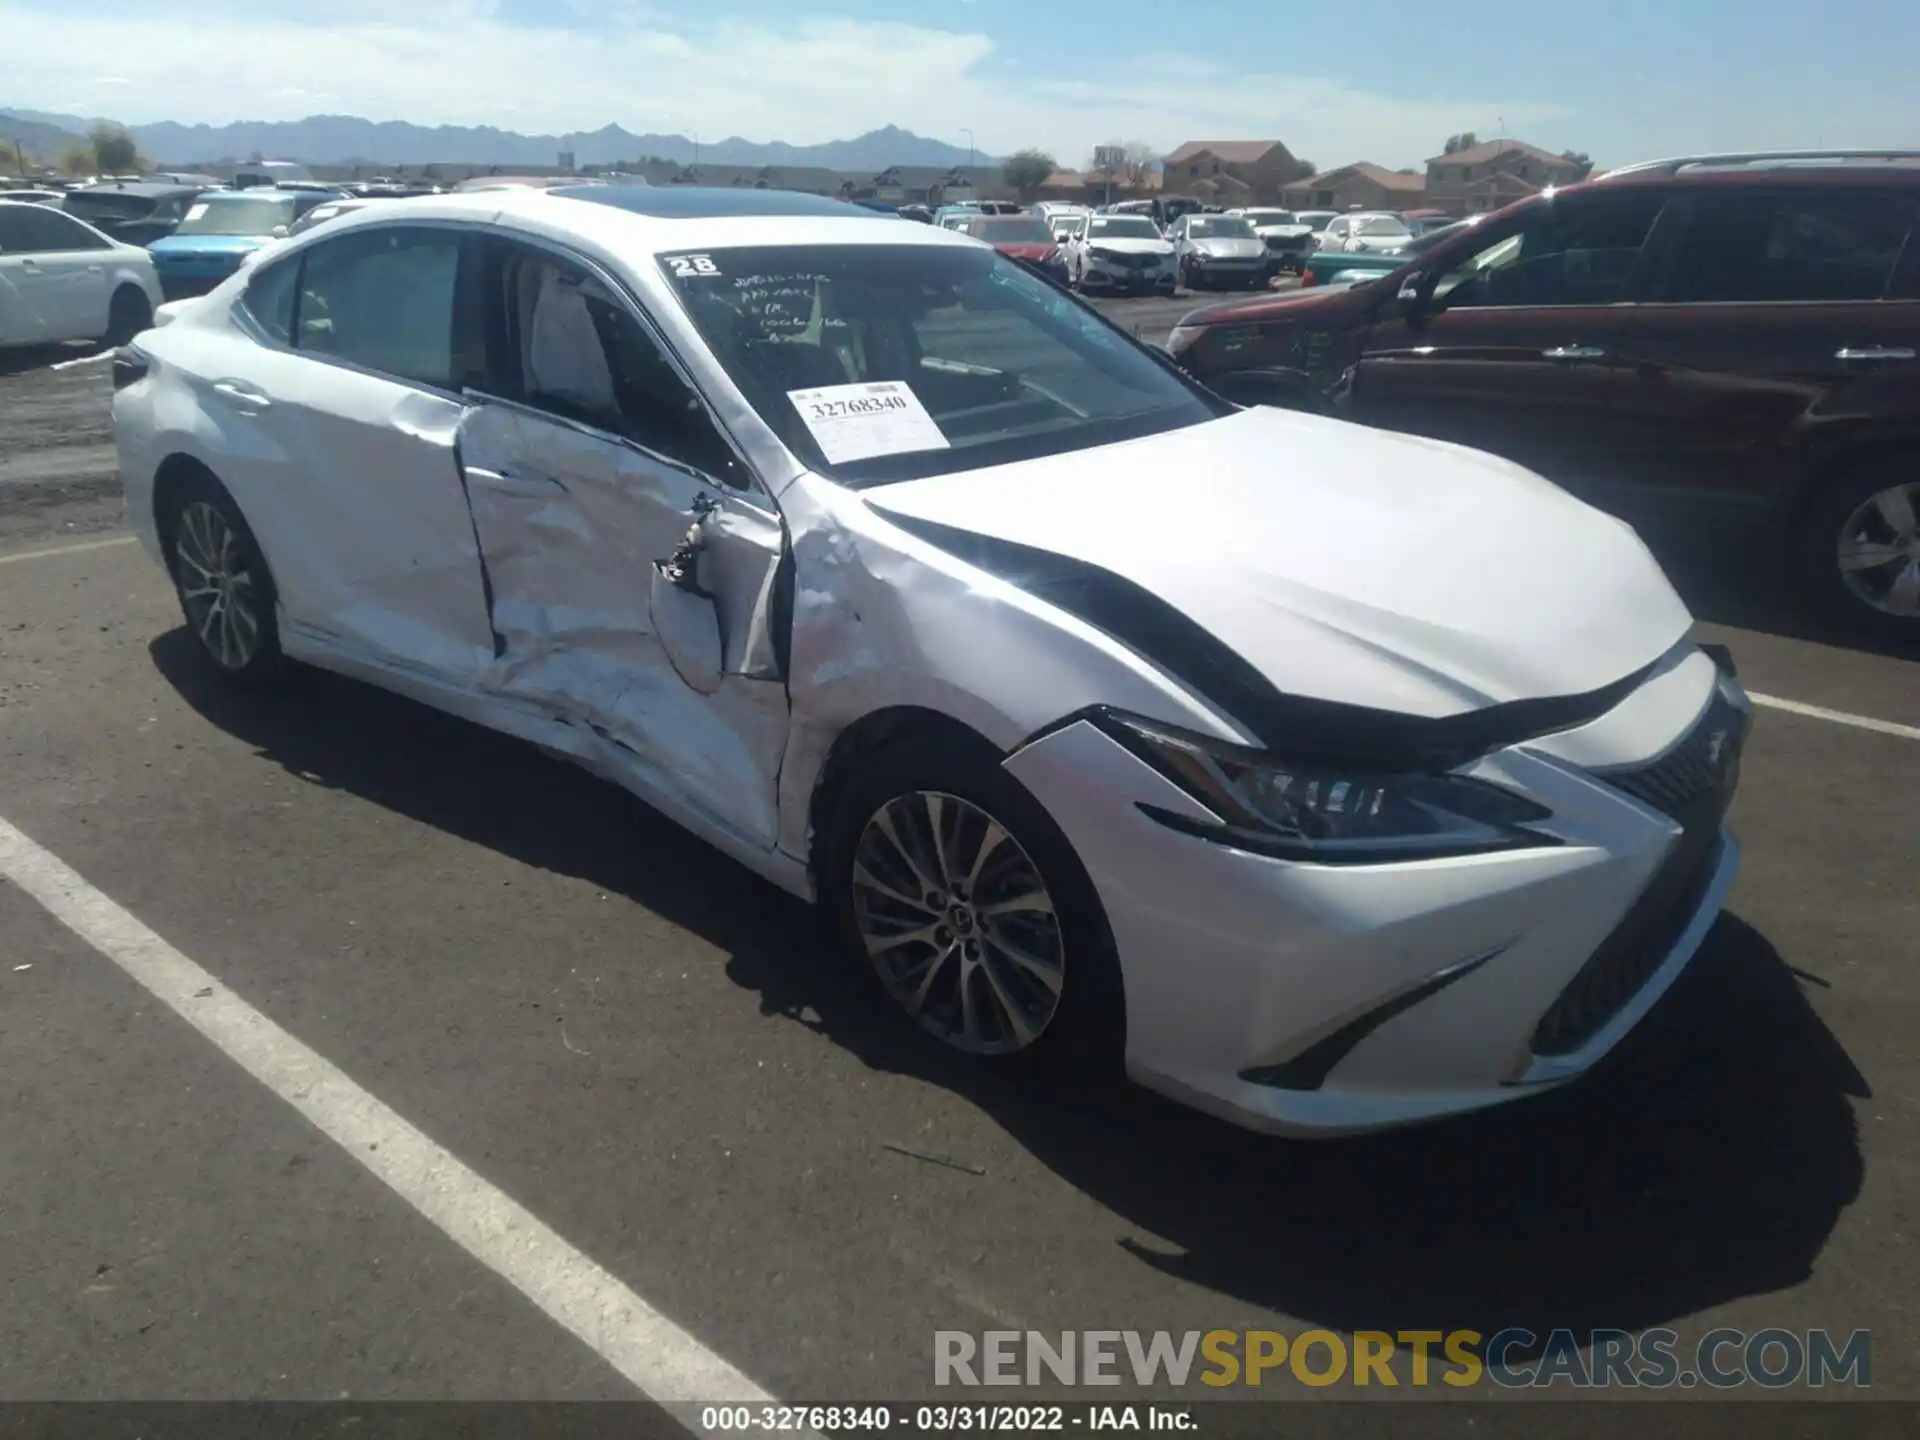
pixel 226 591
pixel 1860 548
pixel 958 896
pixel 128 314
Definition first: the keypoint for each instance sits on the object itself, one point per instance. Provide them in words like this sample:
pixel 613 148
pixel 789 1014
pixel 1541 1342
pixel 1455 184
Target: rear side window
pixel 382 299
pixel 36 230
pixel 1804 247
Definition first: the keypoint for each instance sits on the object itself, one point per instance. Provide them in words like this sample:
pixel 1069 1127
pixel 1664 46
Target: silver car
pixel 1216 250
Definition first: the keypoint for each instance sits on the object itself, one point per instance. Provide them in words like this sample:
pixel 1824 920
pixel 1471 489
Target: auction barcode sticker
pixel 857 422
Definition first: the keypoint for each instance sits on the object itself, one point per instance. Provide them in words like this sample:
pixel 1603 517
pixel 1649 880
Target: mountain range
pixel 347 139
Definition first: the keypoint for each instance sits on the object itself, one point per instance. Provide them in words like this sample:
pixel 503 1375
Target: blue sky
pixel 1338 80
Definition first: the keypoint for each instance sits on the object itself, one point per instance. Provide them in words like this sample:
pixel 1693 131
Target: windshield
pixel 246 215
pixel 1219 227
pixel 1124 227
pixel 1268 217
pixel 110 205
pixel 1318 219
pixel 1013 230
pixel 1381 225
pixel 882 363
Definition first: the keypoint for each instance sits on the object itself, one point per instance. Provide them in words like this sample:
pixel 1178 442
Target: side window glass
pixel 36 230
pixel 268 299
pixel 1562 255
pixel 383 299
pixel 1806 247
pixel 579 352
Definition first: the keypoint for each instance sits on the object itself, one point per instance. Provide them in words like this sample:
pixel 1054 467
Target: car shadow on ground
pixel 1709 1159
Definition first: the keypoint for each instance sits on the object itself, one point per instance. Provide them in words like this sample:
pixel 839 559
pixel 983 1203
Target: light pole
pixel 970 148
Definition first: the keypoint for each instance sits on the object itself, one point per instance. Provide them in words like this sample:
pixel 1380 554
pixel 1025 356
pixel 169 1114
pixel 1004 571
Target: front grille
pixel 1693 783
pixel 1702 769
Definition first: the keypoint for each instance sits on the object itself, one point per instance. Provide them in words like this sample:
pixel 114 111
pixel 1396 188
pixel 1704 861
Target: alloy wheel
pixel 217 585
pixel 958 922
pixel 1878 551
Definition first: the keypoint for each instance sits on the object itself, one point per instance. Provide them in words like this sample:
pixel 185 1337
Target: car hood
pixel 1344 563
pixel 1026 249
pixel 1131 245
pixel 1282 232
pixel 1229 247
pixel 1380 244
pixel 208 244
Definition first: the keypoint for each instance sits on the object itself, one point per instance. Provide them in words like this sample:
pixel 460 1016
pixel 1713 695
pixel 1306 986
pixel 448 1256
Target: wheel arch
pixel 864 738
pixel 1839 459
pixel 170 478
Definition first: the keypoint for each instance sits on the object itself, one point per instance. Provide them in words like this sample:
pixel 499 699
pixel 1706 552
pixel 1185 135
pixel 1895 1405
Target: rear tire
pixel 128 314
pixel 1076 1013
pixel 225 589
pixel 1870 516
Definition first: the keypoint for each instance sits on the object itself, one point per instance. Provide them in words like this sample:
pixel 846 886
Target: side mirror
pixel 279 232
pixel 1411 299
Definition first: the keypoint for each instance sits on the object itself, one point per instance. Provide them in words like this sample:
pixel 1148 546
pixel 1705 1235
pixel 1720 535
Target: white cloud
pixel 814 79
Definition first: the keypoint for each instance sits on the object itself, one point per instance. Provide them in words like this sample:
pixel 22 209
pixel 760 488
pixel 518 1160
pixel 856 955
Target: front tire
pixel 1860 549
pixel 961 901
pixel 128 313
pixel 225 589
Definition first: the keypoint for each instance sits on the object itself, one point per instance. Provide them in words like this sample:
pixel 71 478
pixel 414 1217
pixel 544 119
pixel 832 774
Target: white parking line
pixel 1837 717
pixel 83 360
pixel 77 548
pixel 664 1361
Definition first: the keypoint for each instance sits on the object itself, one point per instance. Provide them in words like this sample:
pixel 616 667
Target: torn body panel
pixel 882 620
pixel 572 524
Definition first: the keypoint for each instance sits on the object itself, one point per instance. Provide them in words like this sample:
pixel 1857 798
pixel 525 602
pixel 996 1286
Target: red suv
pixel 1735 334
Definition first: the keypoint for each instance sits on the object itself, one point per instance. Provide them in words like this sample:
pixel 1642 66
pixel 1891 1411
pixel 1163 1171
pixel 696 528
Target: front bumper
pixel 1302 998
pixel 1104 274
pixel 1212 270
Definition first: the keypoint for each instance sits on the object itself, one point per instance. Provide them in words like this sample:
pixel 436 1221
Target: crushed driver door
pixel 634 597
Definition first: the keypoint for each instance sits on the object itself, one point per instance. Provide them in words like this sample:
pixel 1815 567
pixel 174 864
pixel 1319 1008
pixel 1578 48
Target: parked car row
pixel 1733 341
pixel 99 264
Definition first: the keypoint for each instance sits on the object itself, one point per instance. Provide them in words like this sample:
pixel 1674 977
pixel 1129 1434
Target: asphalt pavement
pixel 407 929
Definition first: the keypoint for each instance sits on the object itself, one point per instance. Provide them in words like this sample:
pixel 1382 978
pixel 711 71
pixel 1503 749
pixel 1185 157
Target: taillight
pixel 129 368
pixel 1309 276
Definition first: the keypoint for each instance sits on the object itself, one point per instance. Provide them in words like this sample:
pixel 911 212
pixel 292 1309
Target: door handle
pixel 241 394
pixel 1573 352
pixel 1874 352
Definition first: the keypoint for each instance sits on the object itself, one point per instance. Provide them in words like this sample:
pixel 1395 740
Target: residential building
pixel 1090 187
pixel 1486 177
pixel 1231 172
pixel 1359 186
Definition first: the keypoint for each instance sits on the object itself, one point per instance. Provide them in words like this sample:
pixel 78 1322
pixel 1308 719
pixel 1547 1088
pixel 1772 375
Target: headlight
pixel 1324 812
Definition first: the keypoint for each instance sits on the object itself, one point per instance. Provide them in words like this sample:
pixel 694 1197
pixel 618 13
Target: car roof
pixel 252 192
pixel 645 220
pixel 138 187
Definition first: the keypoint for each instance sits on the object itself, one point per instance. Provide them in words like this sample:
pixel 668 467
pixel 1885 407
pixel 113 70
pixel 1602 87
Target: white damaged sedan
pixel 1326 779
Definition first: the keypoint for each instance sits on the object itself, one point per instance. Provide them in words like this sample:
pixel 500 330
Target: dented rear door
pixel 633 596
